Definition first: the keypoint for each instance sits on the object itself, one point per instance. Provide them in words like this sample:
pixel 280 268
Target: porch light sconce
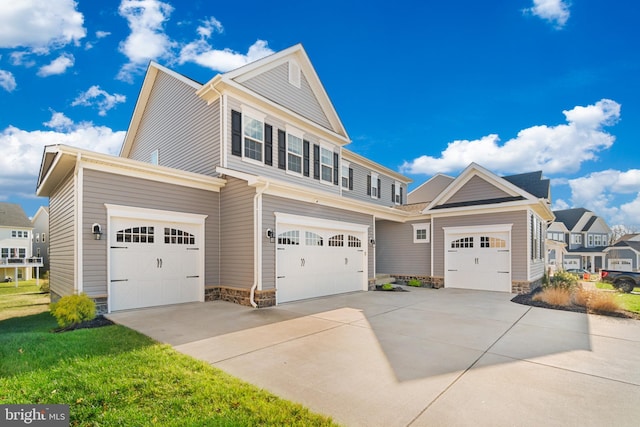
pixel 372 242
pixel 270 235
pixel 97 231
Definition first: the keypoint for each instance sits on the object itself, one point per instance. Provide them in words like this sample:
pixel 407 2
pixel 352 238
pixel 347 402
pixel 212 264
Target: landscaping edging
pixel 527 299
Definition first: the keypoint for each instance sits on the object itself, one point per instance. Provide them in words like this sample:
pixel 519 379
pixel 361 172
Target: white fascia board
pixel 122 211
pixel 477 210
pixel 370 164
pixel 308 221
pixel 495 228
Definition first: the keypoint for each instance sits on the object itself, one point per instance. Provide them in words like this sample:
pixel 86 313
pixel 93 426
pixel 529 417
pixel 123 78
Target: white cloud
pixel 201 53
pixel 57 66
pixel 601 191
pixel 559 205
pixel 102 34
pixel 104 101
pixel 7 81
pixel 22 149
pixel 553 11
pixel 40 23
pixel 553 149
pixel 147 40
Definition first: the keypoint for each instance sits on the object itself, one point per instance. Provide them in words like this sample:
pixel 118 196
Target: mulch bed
pixel 527 299
pixel 394 289
pixel 97 322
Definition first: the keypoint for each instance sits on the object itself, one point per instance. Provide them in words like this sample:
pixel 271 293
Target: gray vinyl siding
pixel 237 163
pixel 476 189
pixel 39 227
pixel 428 191
pixel 359 191
pixel 274 85
pixel 62 234
pixel 519 239
pixel 396 254
pixel 181 126
pixel 101 187
pixel 622 254
pixel 272 204
pixel 236 224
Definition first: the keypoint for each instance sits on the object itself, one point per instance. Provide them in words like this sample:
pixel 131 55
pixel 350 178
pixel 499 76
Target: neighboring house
pixel 16 259
pixel 241 189
pixel 578 238
pixel 39 237
pixel 624 254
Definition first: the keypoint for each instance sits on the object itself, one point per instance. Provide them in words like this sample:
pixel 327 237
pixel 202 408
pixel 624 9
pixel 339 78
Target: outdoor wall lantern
pixel 97 231
pixel 372 242
pixel 270 235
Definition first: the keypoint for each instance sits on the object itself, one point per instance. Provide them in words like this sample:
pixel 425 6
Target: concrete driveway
pixel 422 358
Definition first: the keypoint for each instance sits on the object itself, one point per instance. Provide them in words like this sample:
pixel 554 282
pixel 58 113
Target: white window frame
pixel 576 239
pixel 590 241
pixel 344 174
pixel 323 165
pixel 396 197
pixel 251 114
pixel 298 134
pixel 374 185
pixel 155 157
pixel 426 226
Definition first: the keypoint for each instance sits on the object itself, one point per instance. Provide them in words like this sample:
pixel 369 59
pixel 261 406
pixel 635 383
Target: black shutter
pixel 268 145
pixel 379 189
pixel 282 149
pixel 236 133
pixel 368 185
pixel 336 172
pixel 401 202
pixel 393 193
pixel 350 179
pixel 305 154
pixel 316 161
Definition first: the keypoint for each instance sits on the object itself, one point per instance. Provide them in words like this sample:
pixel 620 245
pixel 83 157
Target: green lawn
pixel 631 302
pixel 22 300
pixel 114 376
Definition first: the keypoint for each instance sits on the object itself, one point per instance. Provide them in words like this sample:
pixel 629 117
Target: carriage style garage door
pixel 154 262
pixel 325 258
pixel 478 258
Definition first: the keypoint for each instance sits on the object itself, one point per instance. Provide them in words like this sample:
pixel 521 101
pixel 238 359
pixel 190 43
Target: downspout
pixel 257 245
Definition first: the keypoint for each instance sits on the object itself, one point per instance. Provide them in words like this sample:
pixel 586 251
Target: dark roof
pixel 570 217
pixel 587 250
pixel 628 243
pixel 479 202
pixel 589 223
pixel 532 183
pixel 12 215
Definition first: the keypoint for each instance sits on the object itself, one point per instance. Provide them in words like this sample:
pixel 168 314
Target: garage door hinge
pixel 119 280
pixel 280 277
pixel 119 247
pixel 192 277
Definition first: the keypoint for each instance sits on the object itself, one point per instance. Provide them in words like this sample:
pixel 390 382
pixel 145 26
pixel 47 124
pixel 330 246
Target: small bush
pixel 581 297
pixel 387 287
pixel 564 280
pixel 44 286
pixel 554 296
pixel 603 302
pixel 73 309
pixel 415 283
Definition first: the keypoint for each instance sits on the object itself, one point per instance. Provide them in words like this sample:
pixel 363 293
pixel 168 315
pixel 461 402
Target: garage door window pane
pixel 337 240
pixel 492 242
pixel 289 238
pixel 313 239
pixel 174 236
pixel 135 235
pixel 463 242
pixel 354 242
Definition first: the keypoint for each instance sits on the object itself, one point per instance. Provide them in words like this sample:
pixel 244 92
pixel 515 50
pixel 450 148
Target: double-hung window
pixel 294 153
pixel 345 175
pixel 374 186
pixel 253 131
pixel 326 164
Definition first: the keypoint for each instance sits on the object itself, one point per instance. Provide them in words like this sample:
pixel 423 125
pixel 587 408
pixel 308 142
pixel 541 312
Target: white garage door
pixel 315 261
pixel 154 263
pixel 621 264
pixel 478 260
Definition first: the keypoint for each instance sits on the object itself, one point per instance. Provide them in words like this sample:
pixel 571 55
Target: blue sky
pixel 422 87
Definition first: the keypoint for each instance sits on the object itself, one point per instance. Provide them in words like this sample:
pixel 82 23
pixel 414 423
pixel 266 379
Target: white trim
pixel 224 129
pixel 294 131
pixel 374 184
pixel 79 226
pixel 253 113
pixel 308 221
pixel 422 226
pixel 120 211
pixel 478 228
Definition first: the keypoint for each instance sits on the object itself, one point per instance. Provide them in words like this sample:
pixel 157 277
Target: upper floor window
pixel 374 186
pixel 253 131
pixel 37 237
pixel 347 176
pixel 576 239
pixel 326 164
pixel 43 237
pixel 20 234
pixel 396 193
pixel 294 153
pixel 155 157
pixel 554 235
pixel 13 252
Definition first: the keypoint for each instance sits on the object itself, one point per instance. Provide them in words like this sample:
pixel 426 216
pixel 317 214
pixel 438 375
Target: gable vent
pixel 294 74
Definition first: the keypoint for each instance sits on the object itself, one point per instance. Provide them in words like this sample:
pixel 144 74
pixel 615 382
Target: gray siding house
pixel 241 189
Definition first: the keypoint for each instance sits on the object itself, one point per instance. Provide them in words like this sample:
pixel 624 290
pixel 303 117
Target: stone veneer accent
pixel 525 287
pixel 265 298
pixel 427 281
pixel 438 282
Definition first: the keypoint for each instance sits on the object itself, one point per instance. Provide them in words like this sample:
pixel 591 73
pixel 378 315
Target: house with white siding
pixel 16 231
pixel 242 189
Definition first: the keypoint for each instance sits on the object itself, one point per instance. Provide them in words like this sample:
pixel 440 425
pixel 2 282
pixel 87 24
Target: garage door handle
pixel 503 272
pixel 193 249
pixel 119 280
pixel 346 261
pixel 159 262
pixel 452 270
pixel 192 277
pixel 281 277
pixel 119 247
pixel 302 262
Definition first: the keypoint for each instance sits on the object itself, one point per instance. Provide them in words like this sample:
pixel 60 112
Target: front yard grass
pixel 22 300
pixel 631 302
pixel 115 376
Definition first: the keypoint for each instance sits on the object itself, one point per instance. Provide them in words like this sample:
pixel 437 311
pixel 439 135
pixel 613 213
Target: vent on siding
pixel 294 74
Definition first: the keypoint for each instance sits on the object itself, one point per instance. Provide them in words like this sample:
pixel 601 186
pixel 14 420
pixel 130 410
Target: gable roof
pixel 589 223
pixel 570 217
pixel 429 190
pixel 634 245
pixel 532 183
pixel 12 215
pixel 234 81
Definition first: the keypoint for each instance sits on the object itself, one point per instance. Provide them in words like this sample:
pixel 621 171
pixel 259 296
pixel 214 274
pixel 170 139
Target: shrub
pixel 554 296
pixel 387 287
pixel 73 309
pixel 603 302
pixel 44 286
pixel 581 297
pixel 564 280
pixel 415 283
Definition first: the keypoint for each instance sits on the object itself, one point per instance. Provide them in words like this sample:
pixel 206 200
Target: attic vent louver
pixel 294 74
